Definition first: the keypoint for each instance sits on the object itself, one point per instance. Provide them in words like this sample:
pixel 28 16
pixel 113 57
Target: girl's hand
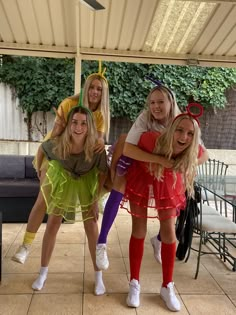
pixel 60 118
pixel 39 174
pixel 165 162
pixel 99 146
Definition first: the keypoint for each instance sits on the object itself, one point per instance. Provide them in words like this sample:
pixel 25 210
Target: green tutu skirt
pixel 67 196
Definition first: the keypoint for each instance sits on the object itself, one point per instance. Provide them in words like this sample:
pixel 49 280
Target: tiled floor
pixel 69 287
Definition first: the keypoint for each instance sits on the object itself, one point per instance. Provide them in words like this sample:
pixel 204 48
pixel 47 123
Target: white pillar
pixel 78 66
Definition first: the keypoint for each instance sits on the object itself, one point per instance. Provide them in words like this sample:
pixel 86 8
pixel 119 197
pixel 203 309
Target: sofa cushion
pixel 12 166
pixel 19 188
pixel 30 171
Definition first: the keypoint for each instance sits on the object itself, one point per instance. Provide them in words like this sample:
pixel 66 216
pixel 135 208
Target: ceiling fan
pixel 93 4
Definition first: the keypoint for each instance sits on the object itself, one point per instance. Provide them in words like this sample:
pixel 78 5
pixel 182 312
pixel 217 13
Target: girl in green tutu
pixel 73 182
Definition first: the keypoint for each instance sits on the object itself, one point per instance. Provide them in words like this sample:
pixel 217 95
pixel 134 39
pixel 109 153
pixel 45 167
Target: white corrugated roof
pixel 150 31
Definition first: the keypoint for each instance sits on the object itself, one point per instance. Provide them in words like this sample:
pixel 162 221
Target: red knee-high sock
pixel 168 260
pixel 136 247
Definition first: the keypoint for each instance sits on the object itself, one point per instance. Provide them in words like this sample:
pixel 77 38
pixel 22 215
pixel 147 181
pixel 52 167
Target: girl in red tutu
pixel 156 191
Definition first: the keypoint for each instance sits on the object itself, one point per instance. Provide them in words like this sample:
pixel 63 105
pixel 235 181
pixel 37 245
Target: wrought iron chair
pixel 215 170
pixel 216 230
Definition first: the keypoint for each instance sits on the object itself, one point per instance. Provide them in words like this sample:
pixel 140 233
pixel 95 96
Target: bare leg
pixel 49 240
pixel 35 219
pixel 91 230
pixel 38 211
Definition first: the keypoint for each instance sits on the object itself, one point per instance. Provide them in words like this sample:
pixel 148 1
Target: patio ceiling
pixel 149 31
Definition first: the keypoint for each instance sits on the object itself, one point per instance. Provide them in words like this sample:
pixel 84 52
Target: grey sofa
pixel 19 187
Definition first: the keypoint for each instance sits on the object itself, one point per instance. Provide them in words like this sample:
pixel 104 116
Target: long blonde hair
pixel 174 109
pixel 186 161
pixel 104 105
pixel 63 143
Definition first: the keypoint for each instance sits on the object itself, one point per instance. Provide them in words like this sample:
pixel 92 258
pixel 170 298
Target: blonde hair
pixel 63 143
pixel 174 109
pixel 186 161
pixel 104 105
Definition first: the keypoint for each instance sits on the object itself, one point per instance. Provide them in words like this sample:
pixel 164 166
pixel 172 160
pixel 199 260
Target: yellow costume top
pixel 67 104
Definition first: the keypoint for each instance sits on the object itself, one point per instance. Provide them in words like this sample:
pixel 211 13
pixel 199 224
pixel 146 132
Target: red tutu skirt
pixel 150 197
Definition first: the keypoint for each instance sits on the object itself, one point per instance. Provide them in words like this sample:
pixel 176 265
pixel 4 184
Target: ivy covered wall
pixel 41 83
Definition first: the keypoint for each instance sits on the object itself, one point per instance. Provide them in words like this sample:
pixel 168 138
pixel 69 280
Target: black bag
pixel 184 224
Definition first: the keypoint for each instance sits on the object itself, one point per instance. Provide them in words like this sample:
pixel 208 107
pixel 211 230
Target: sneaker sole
pixel 130 304
pixel 18 260
pixel 170 308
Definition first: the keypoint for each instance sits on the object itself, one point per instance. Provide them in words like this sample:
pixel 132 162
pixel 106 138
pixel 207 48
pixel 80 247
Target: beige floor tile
pixel 204 284
pixel 31 265
pixel 8 237
pixel 6 246
pixel 72 264
pixel 61 249
pixel 227 282
pixel 125 250
pixel 150 283
pixel 208 304
pixel 114 283
pixel 215 265
pixel 16 283
pixel 66 237
pixel 232 297
pixel 70 284
pixel 152 304
pixel 67 283
pixel 15 304
pixel 107 304
pixel 59 304
pixel 57 264
pixel 12 227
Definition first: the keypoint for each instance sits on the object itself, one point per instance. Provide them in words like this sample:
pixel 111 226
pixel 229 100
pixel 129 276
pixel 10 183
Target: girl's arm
pixel 134 152
pixel 39 159
pixel 100 145
pixel 60 122
pixel 118 151
pixel 204 157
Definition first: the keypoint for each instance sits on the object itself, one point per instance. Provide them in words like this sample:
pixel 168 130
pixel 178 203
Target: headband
pixel 80 105
pixel 191 114
pixel 100 72
pixel 158 83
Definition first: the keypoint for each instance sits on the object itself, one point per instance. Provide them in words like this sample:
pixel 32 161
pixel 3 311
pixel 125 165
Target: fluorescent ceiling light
pixel 93 4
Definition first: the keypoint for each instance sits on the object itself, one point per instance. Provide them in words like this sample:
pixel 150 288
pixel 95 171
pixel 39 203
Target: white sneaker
pixel 133 299
pixel 102 261
pixel 21 254
pixel 156 244
pixel 169 297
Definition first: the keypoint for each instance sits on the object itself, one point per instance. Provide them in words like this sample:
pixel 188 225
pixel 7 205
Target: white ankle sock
pixel 39 282
pixel 99 285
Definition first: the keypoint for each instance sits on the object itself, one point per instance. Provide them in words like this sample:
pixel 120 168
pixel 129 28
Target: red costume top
pixel 152 197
